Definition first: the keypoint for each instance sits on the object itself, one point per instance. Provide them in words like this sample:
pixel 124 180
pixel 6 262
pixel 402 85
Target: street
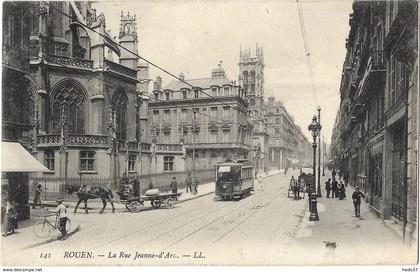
pixel 265 228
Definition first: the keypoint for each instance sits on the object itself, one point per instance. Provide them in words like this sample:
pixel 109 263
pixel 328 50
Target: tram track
pixel 218 219
pixel 195 219
pixel 150 227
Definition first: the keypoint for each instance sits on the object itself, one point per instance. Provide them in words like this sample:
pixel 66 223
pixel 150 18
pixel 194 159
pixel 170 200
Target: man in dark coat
pixel 195 185
pixel 356 201
pixel 37 197
pixel 174 186
pixel 341 191
pixel 346 178
pixel 188 183
pixel 328 187
pixel 334 188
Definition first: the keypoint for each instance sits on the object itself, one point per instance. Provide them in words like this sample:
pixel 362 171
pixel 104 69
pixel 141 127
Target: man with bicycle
pixel 61 212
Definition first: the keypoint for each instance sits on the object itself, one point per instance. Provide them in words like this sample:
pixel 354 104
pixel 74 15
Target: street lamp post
pixel 319 194
pixel 314 127
pixel 324 152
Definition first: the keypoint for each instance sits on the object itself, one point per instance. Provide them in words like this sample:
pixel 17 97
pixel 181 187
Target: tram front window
pixel 232 175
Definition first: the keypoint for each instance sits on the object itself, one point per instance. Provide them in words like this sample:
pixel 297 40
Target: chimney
pixel 159 81
pixel 157 85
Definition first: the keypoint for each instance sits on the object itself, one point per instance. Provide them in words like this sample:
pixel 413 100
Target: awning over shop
pixel 224 169
pixel 15 158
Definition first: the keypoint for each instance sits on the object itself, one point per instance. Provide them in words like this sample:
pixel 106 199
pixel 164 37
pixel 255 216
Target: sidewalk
pixel 341 238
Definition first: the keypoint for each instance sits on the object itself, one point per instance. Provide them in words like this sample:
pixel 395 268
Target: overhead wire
pixel 306 48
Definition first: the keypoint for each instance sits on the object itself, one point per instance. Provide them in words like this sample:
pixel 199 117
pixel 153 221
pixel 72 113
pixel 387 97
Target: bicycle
pixel 47 228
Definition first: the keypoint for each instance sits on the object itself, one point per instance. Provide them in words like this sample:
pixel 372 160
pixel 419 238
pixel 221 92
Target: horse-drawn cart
pixel 136 204
pixel 127 197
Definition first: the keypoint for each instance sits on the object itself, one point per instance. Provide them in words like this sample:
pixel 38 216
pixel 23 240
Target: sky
pixel 193 36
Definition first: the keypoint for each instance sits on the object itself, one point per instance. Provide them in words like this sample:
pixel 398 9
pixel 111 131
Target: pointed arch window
pixel 119 105
pixel 70 98
pixel 245 73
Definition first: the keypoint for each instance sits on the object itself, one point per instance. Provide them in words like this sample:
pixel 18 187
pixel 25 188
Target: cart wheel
pixel 134 206
pixel 170 203
pixel 156 203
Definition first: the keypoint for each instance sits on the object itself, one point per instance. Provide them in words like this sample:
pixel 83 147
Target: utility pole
pixel 193 144
pixel 63 147
pixel 319 153
pixel 323 154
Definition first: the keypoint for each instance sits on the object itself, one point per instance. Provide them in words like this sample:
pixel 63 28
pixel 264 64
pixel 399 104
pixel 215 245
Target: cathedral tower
pixel 251 77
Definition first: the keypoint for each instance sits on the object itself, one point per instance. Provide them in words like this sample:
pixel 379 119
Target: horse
pixel 85 192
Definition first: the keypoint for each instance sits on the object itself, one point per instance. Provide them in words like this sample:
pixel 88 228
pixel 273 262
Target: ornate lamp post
pixel 319 194
pixel 314 127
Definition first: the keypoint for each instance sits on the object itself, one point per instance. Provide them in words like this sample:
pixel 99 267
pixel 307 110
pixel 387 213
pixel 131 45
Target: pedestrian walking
pixel 37 197
pixel 346 178
pixel 195 185
pixel 188 183
pixel 356 196
pixel 328 187
pixel 334 188
pixel 174 186
pixel 295 187
pixel 341 191
pixel 10 223
pixel 61 212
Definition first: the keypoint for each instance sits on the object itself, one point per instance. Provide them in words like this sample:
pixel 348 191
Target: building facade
pixel 251 79
pixel 209 120
pixel 376 129
pixel 288 147
pixel 85 113
pixel 17 98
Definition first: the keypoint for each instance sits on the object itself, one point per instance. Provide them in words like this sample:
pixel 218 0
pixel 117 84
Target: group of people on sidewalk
pixel 191 185
pixel 338 190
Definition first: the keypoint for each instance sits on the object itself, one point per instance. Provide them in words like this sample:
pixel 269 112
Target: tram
pixel 234 179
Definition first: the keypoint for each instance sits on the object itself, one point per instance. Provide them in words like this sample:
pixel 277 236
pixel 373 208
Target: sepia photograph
pixel 209 133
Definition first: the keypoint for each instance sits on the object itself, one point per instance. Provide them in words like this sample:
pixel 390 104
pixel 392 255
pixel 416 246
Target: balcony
pixel 70 62
pixel 374 76
pixel 52 140
pixel 119 69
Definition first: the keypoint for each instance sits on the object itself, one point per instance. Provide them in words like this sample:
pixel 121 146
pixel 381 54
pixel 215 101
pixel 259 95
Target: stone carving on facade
pixel 128 26
pixel 71 62
pixel 87 139
pixel 120 69
pixel 43 8
pixel 101 19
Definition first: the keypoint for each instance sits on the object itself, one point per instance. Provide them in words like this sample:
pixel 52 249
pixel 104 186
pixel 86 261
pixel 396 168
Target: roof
pixel 203 83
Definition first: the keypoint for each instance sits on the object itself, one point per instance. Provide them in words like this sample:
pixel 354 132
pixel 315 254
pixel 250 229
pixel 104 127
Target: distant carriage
pixel 297 188
pixel 234 179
